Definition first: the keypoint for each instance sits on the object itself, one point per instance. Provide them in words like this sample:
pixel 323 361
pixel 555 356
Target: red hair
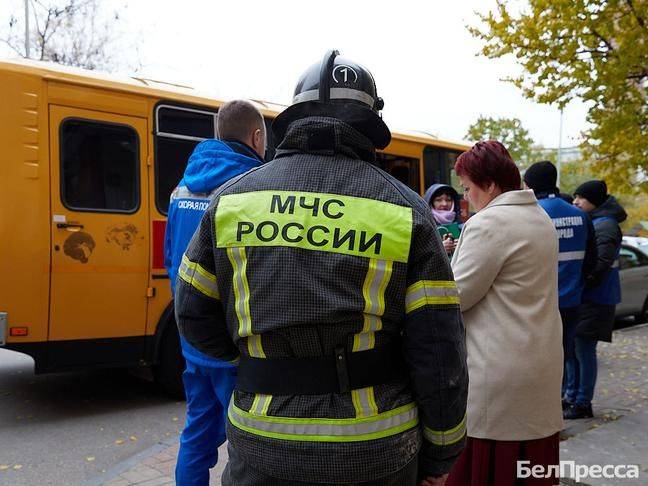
pixel 488 162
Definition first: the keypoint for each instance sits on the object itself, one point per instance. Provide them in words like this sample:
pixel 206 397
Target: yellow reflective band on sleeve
pixel 431 292
pixel 378 426
pixel 315 221
pixel 446 437
pixel 199 278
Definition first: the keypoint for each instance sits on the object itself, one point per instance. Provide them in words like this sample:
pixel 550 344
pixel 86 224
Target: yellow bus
pixel 87 164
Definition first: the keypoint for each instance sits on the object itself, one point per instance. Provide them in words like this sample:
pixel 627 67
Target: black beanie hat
pixel 541 177
pixel 594 191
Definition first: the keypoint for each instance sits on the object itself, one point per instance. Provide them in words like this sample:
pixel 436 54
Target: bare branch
pixel 14 48
pixel 602 39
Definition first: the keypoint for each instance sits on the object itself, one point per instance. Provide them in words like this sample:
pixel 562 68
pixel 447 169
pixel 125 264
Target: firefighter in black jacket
pixel 326 277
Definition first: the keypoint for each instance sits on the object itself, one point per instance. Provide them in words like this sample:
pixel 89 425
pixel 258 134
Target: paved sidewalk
pixel 618 434
pixel 154 467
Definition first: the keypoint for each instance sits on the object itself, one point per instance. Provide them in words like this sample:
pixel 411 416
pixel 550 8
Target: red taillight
pixel 18 331
pixel 159 228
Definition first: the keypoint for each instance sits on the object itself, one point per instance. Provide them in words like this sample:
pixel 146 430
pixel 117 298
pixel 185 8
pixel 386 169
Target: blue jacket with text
pixel 577 247
pixel 212 163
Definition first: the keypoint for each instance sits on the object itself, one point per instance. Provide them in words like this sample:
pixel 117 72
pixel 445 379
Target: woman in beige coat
pixel 505 266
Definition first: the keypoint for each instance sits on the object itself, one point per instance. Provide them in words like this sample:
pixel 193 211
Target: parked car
pixel 640 242
pixel 633 266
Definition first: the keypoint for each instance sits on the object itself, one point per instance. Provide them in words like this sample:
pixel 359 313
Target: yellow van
pixel 87 164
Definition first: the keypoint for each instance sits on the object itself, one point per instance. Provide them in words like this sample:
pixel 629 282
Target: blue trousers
pixel 580 371
pixel 208 393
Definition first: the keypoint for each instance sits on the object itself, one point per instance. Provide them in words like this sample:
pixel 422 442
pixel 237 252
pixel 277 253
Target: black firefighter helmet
pixel 339 88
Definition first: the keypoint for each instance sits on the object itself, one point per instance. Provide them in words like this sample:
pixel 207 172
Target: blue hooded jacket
pixel 212 163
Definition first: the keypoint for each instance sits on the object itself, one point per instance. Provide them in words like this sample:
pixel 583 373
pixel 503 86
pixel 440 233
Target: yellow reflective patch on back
pixel 315 221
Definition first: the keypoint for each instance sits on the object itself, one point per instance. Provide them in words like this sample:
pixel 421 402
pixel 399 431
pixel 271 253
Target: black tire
pixel 170 363
pixel 643 315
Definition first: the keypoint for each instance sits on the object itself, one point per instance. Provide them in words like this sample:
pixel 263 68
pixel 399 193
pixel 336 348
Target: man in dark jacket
pixel 208 382
pixel 335 291
pixel 576 258
pixel 602 292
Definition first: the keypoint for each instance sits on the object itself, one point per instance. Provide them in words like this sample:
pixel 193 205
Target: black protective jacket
pixel 320 249
pixel 608 238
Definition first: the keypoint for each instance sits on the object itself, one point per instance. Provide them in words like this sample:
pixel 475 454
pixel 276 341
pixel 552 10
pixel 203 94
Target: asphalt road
pixel 65 429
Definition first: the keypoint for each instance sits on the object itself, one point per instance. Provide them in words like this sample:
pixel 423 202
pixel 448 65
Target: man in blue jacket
pixel 576 261
pixel 602 291
pixel 208 382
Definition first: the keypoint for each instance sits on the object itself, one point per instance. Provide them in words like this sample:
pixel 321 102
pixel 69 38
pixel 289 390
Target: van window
pixel 99 166
pixel 178 130
pixel 405 169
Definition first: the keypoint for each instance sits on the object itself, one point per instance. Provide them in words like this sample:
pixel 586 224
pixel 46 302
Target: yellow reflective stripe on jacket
pixel 260 404
pixel 373 291
pixel 364 402
pixel 323 429
pixel 431 292
pixel 238 259
pixel 315 221
pixel 199 278
pixel 446 437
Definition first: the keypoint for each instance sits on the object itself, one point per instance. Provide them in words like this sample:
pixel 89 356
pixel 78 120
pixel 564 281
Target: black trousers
pixel 239 473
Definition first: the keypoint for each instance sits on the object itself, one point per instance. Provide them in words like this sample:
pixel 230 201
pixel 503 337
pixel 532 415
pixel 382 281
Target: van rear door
pixel 100 234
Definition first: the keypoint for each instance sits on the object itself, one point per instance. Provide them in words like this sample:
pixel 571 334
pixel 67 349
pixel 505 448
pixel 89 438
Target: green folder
pixel 452 229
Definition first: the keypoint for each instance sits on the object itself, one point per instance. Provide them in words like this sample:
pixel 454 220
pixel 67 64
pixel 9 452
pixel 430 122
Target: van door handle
pixel 69 225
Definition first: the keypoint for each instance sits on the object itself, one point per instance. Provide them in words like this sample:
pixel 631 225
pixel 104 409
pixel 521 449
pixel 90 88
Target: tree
pixel 511 133
pixel 71 32
pixel 595 50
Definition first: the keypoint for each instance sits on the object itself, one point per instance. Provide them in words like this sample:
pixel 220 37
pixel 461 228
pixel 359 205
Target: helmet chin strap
pixel 325 75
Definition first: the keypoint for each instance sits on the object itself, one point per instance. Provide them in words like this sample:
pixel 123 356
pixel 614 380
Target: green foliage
pixel 634 201
pixel 636 205
pixel 595 50
pixel 573 174
pixel 510 132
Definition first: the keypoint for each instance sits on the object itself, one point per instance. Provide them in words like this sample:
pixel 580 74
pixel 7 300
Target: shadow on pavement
pixel 28 397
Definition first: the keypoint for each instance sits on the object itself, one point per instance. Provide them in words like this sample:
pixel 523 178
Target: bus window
pixel 438 163
pixel 100 166
pixel 177 131
pixel 405 169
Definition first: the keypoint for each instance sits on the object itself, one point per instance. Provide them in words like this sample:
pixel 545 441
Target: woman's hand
pixel 449 243
pixel 431 481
